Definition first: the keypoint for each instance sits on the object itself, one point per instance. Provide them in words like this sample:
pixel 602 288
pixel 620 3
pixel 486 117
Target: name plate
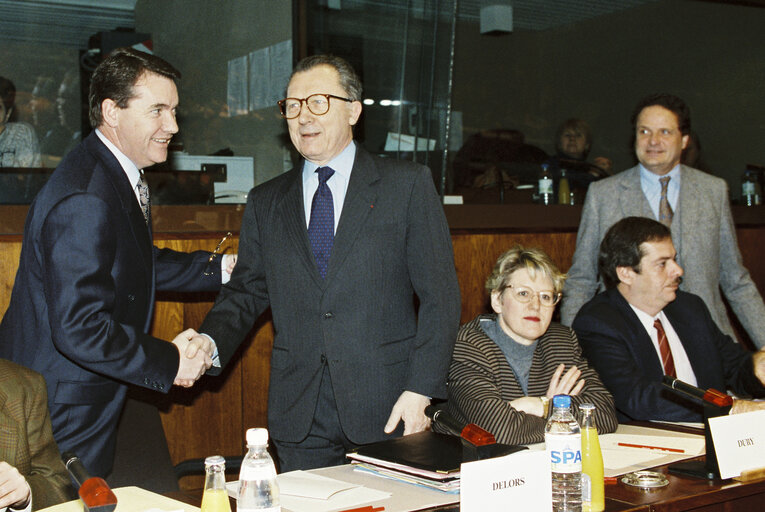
pixel 739 441
pixel 519 481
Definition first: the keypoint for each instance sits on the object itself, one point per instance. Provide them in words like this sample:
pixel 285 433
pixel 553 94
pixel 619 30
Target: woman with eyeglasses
pixel 18 142
pixel 507 366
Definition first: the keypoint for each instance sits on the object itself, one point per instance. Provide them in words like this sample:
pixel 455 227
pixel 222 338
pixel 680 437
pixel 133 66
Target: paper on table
pixel 309 485
pixel 618 460
pixel 302 491
pixel 132 499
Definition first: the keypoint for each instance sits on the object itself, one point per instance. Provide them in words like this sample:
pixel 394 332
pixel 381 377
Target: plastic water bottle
pixel 545 186
pixel 258 490
pixel 563 442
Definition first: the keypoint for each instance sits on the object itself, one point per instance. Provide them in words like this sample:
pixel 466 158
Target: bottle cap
pixel 586 407
pixel 215 460
pixel 561 401
pixel 257 437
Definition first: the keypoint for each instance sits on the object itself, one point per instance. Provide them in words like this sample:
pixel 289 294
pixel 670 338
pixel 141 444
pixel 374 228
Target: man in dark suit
pixel 31 471
pixel 642 327
pixel 339 248
pixel 84 293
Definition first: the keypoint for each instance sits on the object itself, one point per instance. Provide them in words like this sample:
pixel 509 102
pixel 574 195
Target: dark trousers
pixel 326 443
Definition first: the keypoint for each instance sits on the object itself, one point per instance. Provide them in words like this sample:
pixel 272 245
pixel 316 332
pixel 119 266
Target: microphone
pixel 710 396
pixel 94 491
pixel 468 431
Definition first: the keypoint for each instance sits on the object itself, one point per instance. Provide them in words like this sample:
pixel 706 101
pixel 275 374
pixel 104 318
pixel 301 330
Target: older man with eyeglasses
pixel 340 248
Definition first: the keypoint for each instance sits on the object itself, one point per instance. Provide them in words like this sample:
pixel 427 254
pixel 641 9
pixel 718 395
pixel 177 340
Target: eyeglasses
pixel 208 270
pixel 525 295
pixel 318 104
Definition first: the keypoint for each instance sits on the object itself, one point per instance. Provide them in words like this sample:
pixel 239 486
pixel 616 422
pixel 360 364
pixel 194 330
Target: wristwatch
pixel 545 406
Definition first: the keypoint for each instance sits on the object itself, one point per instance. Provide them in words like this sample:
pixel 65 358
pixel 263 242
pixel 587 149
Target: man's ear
pixel 109 112
pixel 355 113
pixel 625 274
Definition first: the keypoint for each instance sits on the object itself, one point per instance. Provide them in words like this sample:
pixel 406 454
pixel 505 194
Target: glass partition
pixel 404 53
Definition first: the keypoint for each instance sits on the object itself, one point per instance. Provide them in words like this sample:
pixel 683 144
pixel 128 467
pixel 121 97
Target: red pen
pixel 629 445
pixel 368 508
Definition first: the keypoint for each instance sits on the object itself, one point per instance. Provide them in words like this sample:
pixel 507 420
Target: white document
pixel 739 441
pixel 521 478
pixel 651 447
pixel 303 491
pixel 132 499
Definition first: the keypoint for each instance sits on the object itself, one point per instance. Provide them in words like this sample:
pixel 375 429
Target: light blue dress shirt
pixel 649 182
pixel 342 164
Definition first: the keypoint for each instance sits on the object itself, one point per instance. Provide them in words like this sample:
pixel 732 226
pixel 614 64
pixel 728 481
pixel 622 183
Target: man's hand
pixel 14 489
pixel 567 384
pixel 409 407
pixel 197 343
pixel 195 357
pixel 229 262
pixel 759 365
pixel 740 406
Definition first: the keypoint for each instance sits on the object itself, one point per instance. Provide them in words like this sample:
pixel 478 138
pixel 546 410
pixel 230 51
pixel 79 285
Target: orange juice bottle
pixel 593 497
pixel 215 497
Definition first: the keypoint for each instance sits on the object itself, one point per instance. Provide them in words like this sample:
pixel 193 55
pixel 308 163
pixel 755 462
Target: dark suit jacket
pixel 482 383
pixel 26 440
pixel 392 243
pixel 83 298
pixel 618 346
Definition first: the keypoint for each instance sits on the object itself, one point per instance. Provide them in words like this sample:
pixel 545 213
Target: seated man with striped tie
pixel 642 327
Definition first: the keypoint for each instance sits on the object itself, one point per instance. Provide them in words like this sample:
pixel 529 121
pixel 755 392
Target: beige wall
pixel 199 37
pixel 709 54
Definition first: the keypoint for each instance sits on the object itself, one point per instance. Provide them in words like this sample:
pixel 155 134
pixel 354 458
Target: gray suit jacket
pixel 703 235
pixel 392 243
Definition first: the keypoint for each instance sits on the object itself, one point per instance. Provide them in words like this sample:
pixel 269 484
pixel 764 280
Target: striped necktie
pixel 666 353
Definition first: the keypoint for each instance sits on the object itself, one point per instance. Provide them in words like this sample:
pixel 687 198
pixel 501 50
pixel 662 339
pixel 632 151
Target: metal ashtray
pixel 645 479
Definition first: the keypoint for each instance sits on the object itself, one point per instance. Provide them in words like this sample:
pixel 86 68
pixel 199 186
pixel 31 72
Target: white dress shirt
pixel 682 364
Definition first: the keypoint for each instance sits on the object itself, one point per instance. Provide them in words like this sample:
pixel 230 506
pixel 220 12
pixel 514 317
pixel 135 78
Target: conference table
pixel 682 494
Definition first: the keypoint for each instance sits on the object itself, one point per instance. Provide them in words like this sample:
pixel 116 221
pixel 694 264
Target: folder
pixel 429 454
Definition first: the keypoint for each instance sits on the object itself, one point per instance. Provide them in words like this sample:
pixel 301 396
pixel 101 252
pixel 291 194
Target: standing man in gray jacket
pixel 693 203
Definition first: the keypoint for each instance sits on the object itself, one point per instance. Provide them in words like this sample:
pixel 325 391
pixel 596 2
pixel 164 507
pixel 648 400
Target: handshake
pixel 196 353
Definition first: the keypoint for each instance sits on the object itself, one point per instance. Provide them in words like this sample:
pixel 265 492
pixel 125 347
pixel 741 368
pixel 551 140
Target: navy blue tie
pixel 321 226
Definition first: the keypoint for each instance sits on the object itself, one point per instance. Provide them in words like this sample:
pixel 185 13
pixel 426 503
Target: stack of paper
pixel 305 491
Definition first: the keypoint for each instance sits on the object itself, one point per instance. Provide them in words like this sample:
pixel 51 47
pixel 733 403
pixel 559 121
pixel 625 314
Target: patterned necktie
pixel 665 210
pixel 666 354
pixel 143 198
pixel 321 226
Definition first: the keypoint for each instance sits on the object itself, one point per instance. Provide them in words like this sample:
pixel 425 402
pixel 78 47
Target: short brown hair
pixel 116 75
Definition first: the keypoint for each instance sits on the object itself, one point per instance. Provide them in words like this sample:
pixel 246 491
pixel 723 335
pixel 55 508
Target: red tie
pixel 666 354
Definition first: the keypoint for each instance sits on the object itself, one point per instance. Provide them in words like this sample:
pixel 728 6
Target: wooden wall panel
pixel 476 253
pixel 211 417
pixel 10 250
